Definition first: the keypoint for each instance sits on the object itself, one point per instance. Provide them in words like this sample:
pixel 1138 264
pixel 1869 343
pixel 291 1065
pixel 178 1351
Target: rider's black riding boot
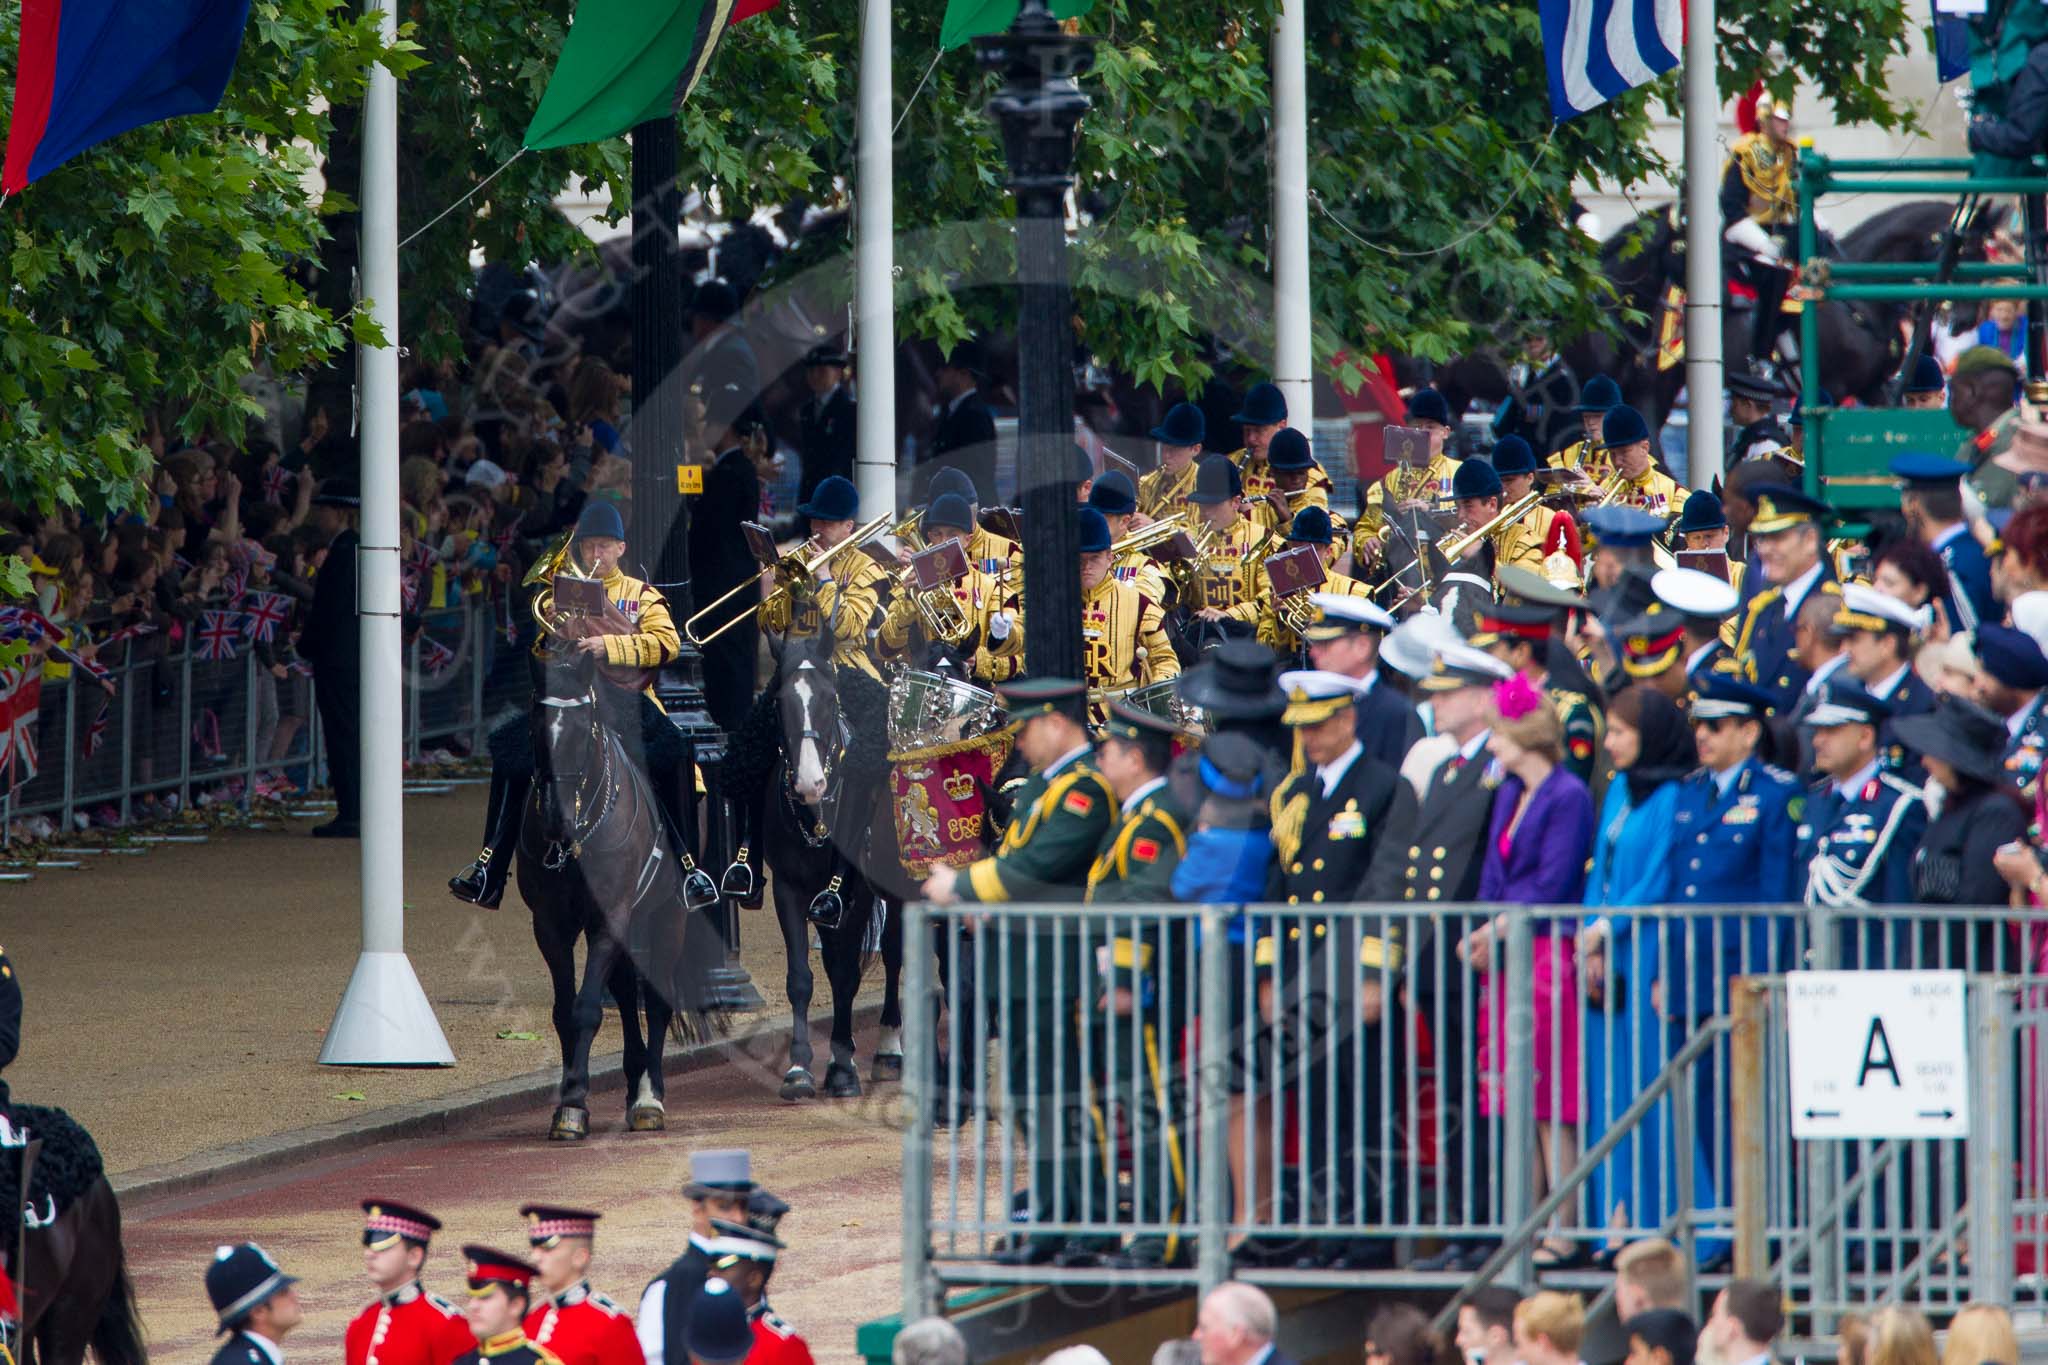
pixel 1772 283
pixel 698 891
pixel 483 881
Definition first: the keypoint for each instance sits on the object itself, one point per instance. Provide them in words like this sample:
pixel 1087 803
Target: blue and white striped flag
pixel 1596 49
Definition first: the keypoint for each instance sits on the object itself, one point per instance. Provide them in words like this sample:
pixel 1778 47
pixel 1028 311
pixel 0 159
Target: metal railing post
pixel 920 1040
pixel 483 645
pixel 1518 1110
pixel 1825 1252
pixel 1990 1152
pixel 1749 1003
pixel 185 729
pixel 1212 1202
pixel 128 741
pixel 411 683
pixel 249 729
pixel 70 747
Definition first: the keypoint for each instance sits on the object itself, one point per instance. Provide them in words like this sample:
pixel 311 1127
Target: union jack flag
pixel 235 584
pixel 21 696
pixel 217 634
pixel 26 623
pixel 409 587
pixel 132 632
pixel 423 556
pixel 435 657
pixel 277 481
pixel 96 733
pixel 263 613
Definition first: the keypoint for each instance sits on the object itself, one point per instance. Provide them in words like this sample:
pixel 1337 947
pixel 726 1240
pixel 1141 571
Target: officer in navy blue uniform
pixel 1735 828
pixel 1790 545
pixel 256 1303
pixel 2015 671
pixel 1735 825
pixel 1879 631
pixel 1346 639
pixel 1931 500
pixel 1862 823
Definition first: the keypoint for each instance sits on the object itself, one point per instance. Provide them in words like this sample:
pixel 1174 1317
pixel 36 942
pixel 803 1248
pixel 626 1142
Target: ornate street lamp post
pixel 1037 111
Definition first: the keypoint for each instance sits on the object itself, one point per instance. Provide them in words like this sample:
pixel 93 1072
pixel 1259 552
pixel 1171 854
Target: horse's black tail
pixel 117 1336
pixel 691 987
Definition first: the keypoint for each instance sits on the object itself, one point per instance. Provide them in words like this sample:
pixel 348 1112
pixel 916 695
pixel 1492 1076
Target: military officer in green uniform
pixel 1061 816
pixel 1135 867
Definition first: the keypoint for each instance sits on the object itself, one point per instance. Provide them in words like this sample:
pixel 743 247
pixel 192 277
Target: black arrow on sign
pixel 1936 1114
pixel 1823 1113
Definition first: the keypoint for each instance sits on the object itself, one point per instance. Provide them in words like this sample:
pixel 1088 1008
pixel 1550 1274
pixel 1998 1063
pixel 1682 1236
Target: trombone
pixel 1149 537
pixel 793 573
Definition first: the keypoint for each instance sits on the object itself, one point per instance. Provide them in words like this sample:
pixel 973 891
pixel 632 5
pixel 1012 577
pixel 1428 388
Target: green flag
pixel 625 62
pixel 979 18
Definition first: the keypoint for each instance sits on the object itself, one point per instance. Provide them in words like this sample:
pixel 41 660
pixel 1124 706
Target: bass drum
pixel 929 708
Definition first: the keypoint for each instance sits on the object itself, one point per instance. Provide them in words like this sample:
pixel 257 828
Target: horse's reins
pixel 558 855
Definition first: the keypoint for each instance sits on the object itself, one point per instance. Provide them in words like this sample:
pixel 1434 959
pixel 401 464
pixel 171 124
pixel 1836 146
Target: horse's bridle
pixel 816 829
pixel 558 854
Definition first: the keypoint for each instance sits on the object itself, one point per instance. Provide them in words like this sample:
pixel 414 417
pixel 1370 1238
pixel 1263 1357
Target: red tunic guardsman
pixel 568 1317
pixel 500 1288
pixel 743 1255
pixel 405 1325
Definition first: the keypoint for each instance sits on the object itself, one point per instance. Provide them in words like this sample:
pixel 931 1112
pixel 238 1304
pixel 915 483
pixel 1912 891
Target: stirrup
pixel 827 909
pixel 699 892
pixel 475 885
pixel 738 880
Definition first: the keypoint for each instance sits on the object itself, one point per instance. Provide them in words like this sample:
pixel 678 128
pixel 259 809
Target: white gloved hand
pixel 1751 236
pixel 999 626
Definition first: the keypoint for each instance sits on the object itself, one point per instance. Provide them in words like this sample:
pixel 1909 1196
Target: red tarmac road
pixel 837 1163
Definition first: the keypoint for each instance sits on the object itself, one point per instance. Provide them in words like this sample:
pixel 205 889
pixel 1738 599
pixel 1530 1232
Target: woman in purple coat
pixel 1536 854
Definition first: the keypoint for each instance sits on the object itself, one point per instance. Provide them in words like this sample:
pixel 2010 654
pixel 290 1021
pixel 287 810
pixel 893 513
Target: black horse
pixel 828 826
pixel 1861 344
pixel 595 862
pixel 64 1253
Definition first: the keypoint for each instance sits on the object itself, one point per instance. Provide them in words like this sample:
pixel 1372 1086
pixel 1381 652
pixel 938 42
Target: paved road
pixel 838 1164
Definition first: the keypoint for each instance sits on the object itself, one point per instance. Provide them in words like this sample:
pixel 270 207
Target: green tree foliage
pixel 145 276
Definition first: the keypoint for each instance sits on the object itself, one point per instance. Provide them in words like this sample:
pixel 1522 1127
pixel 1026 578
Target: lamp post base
pixel 384 1019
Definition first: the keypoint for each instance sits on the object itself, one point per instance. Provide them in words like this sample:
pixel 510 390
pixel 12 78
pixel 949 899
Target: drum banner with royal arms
pixel 937 791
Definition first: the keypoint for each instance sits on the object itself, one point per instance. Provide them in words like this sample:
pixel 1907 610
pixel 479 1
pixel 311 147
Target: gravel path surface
pixel 176 1002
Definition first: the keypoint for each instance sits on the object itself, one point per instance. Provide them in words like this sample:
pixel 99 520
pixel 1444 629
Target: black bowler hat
pixel 1263 406
pixel 1512 455
pixel 1312 526
pixel 1601 394
pixel 1238 681
pixel 1961 734
pixel 1095 535
pixel 241 1279
pixel 1703 512
pixel 1113 495
pixel 719 1334
pixel 826 353
pixel 1216 480
pixel 1475 479
pixel 1427 405
pixel 1624 427
pixel 1184 426
pixel 1289 449
pixel 834 499
pixel 953 479
pixel 715 299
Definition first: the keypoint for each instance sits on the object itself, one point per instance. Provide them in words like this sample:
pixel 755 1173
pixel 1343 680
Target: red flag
pixel 747 9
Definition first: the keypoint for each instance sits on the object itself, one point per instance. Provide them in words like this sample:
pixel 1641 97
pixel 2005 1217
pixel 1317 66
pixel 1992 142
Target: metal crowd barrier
pixel 180 725
pixel 1310 1081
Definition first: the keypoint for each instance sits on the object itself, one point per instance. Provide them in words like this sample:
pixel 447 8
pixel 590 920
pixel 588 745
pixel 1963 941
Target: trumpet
pixel 1151 536
pixel 1462 541
pixel 1296 612
pixel 794 574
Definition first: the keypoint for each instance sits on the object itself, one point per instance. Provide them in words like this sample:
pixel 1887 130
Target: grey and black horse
pixel 597 862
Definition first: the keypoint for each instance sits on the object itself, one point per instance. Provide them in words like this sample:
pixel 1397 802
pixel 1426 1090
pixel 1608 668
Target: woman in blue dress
pixel 1651 747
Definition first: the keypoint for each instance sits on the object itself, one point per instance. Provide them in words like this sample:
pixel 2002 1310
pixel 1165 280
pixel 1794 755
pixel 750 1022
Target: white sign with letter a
pixel 1878 1054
